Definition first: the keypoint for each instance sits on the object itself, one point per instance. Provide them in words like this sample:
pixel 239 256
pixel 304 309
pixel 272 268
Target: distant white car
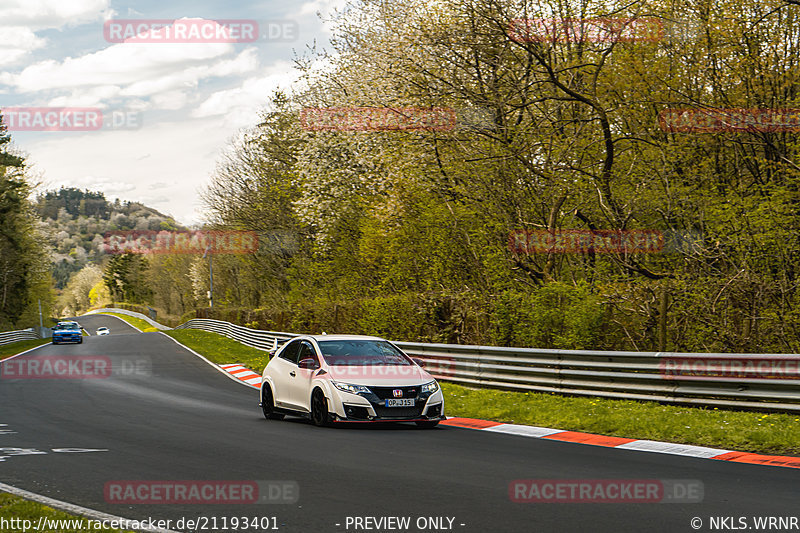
pixel 349 378
pixel 103 331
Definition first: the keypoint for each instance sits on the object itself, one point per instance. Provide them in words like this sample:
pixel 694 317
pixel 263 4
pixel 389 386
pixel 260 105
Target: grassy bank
pixel 715 428
pixel 216 348
pixel 133 321
pixel 19 509
pixel 7 350
pixel 220 349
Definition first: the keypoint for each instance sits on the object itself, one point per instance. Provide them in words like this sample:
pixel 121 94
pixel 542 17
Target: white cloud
pixel 241 103
pixel 325 7
pixel 188 78
pixel 40 14
pixel 21 19
pixel 147 75
pixel 86 97
pixel 119 64
pixel 16 42
pixel 170 100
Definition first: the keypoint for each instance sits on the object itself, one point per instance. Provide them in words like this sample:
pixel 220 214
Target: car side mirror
pixel 308 364
pixel 419 361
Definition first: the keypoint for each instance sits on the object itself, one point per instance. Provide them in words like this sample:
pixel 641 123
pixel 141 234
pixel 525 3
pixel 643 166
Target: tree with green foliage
pixel 24 276
pixel 552 134
pixel 125 275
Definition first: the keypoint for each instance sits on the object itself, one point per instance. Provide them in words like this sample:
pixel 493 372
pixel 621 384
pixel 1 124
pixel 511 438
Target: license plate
pixel 406 402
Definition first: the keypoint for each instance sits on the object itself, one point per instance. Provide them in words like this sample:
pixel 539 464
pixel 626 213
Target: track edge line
pixel 74 509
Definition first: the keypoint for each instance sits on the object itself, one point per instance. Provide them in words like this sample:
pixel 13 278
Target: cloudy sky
pixel 183 102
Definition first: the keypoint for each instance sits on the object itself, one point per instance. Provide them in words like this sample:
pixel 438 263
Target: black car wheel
pixel 319 409
pixel 268 404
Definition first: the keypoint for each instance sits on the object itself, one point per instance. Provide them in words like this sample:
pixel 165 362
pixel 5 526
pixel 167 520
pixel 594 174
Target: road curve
pixel 164 414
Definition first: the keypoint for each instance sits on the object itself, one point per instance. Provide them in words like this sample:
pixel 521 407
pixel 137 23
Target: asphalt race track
pixel 164 414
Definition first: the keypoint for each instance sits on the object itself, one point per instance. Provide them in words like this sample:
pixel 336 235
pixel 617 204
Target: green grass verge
pixel 132 320
pixel 715 428
pixel 7 350
pixel 14 507
pixel 733 430
pixel 220 349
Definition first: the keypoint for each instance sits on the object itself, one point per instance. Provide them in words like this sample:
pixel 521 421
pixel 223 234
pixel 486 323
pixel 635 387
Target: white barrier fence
pixel 132 314
pixel 7 337
pixel 256 338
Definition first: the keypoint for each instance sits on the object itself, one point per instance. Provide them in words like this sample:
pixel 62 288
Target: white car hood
pixel 379 375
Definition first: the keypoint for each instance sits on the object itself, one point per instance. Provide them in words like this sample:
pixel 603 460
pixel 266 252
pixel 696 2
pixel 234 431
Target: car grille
pixel 388 392
pixel 398 412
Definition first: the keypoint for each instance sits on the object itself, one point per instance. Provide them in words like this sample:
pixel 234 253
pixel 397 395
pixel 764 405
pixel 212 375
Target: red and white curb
pixel 625 444
pixel 245 375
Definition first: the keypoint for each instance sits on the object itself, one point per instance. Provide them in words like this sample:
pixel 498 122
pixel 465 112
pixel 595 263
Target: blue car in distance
pixel 67 332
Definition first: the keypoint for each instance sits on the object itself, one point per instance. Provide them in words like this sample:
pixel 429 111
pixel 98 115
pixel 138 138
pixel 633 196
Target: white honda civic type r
pixel 349 378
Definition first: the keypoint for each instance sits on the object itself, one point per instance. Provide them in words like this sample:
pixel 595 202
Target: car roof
pixel 319 338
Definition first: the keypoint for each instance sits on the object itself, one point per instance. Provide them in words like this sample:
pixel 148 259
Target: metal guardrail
pixel 769 382
pixel 681 378
pixel 7 337
pixel 255 338
pixel 146 318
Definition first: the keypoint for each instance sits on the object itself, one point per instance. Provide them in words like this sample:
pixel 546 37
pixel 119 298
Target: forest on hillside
pixel 76 221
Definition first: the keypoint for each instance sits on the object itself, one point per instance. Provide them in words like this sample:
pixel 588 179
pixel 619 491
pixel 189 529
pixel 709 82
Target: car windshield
pixel 361 353
pixel 69 326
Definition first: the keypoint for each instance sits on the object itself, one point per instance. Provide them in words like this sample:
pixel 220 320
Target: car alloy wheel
pixel 268 404
pixel 319 409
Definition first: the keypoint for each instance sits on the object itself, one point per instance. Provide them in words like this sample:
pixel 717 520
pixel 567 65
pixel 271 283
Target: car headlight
pixel 349 387
pixel 430 387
